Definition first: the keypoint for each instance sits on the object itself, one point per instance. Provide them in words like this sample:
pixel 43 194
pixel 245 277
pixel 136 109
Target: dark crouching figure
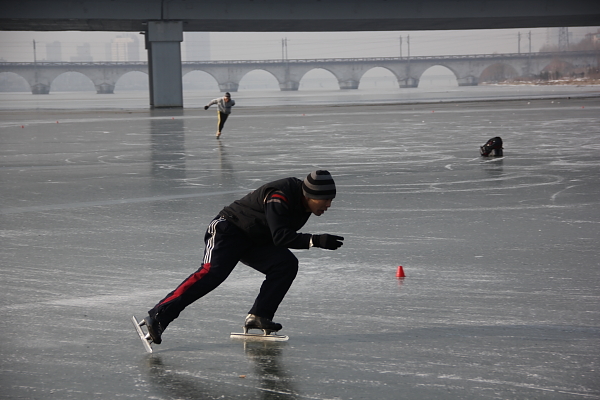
pixel 492 145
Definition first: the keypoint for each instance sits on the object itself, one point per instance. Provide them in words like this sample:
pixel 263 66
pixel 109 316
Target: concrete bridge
pixel 348 72
pixel 164 21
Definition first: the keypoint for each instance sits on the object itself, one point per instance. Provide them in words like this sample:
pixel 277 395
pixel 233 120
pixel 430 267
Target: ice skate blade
pixel 141 334
pixel 259 337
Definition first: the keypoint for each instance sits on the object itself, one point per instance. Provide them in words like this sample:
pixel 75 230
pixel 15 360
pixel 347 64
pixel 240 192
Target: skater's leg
pixel 280 267
pixel 224 245
pixel 221 121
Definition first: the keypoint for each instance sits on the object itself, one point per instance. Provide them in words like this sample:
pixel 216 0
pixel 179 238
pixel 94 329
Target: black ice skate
pixel 266 325
pixel 155 330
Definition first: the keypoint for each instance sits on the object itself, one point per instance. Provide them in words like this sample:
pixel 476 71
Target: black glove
pixel 326 241
pixel 206 107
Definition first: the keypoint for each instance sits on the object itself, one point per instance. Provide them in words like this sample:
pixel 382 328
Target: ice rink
pixel 103 213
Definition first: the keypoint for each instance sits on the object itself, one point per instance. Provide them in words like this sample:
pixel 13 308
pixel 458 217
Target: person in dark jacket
pixel 493 145
pixel 258 230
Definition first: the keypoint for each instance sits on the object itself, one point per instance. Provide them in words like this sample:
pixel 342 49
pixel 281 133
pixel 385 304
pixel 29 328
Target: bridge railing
pixel 425 58
pixel 310 60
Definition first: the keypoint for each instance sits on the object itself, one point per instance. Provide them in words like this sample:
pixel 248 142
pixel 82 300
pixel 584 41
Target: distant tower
pixel 54 51
pixel 125 48
pixel 197 46
pixel 563 39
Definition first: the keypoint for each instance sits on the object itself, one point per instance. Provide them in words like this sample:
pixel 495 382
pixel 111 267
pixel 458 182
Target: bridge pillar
pixel 409 83
pixel 350 84
pixel 105 88
pixel 40 88
pixel 229 87
pixel 289 86
pixel 468 81
pixel 164 63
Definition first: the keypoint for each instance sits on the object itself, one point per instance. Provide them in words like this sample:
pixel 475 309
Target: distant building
pixel 197 46
pixel 84 54
pixel 125 48
pixel 54 51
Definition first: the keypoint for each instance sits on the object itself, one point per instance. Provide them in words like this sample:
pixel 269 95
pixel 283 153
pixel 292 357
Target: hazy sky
pixel 18 46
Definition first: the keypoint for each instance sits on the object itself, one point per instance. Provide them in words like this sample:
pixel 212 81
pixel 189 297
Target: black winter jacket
pixel 272 214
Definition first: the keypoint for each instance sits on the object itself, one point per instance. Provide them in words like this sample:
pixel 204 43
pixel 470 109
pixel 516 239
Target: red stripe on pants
pixel 195 277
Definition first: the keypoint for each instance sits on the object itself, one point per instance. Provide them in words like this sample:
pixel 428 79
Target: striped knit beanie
pixel 319 185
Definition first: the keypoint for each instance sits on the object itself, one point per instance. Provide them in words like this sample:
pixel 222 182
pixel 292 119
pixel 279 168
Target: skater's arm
pixel 210 103
pixel 279 219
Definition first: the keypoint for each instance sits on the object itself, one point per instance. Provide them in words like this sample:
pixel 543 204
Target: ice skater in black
pixel 258 230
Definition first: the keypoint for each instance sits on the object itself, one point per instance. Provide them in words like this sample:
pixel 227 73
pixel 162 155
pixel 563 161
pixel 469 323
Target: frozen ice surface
pixel 103 212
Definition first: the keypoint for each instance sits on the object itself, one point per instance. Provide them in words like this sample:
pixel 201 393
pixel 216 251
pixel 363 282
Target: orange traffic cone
pixel 400 272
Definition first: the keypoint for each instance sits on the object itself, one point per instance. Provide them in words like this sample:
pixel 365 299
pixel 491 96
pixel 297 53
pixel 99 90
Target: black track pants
pixel 226 245
pixel 222 117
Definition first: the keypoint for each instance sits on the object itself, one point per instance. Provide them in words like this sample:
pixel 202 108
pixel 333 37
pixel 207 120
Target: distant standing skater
pixel 224 103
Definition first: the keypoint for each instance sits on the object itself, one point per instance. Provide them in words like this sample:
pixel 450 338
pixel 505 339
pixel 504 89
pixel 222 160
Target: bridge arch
pixel 133 80
pixel 466 72
pixel 438 76
pixel 14 82
pixel 319 79
pixel 71 81
pixel 498 72
pixel 378 77
pixel 259 79
pixel 417 71
pixel 200 80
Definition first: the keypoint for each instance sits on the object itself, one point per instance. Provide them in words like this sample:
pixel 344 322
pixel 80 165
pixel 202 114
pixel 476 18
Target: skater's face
pixel 317 207
pixel 226 99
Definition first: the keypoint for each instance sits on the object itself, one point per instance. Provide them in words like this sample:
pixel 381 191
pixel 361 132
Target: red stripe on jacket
pixel 279 196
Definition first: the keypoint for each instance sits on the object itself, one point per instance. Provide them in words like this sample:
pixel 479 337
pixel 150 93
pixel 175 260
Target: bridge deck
pixel 297 16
